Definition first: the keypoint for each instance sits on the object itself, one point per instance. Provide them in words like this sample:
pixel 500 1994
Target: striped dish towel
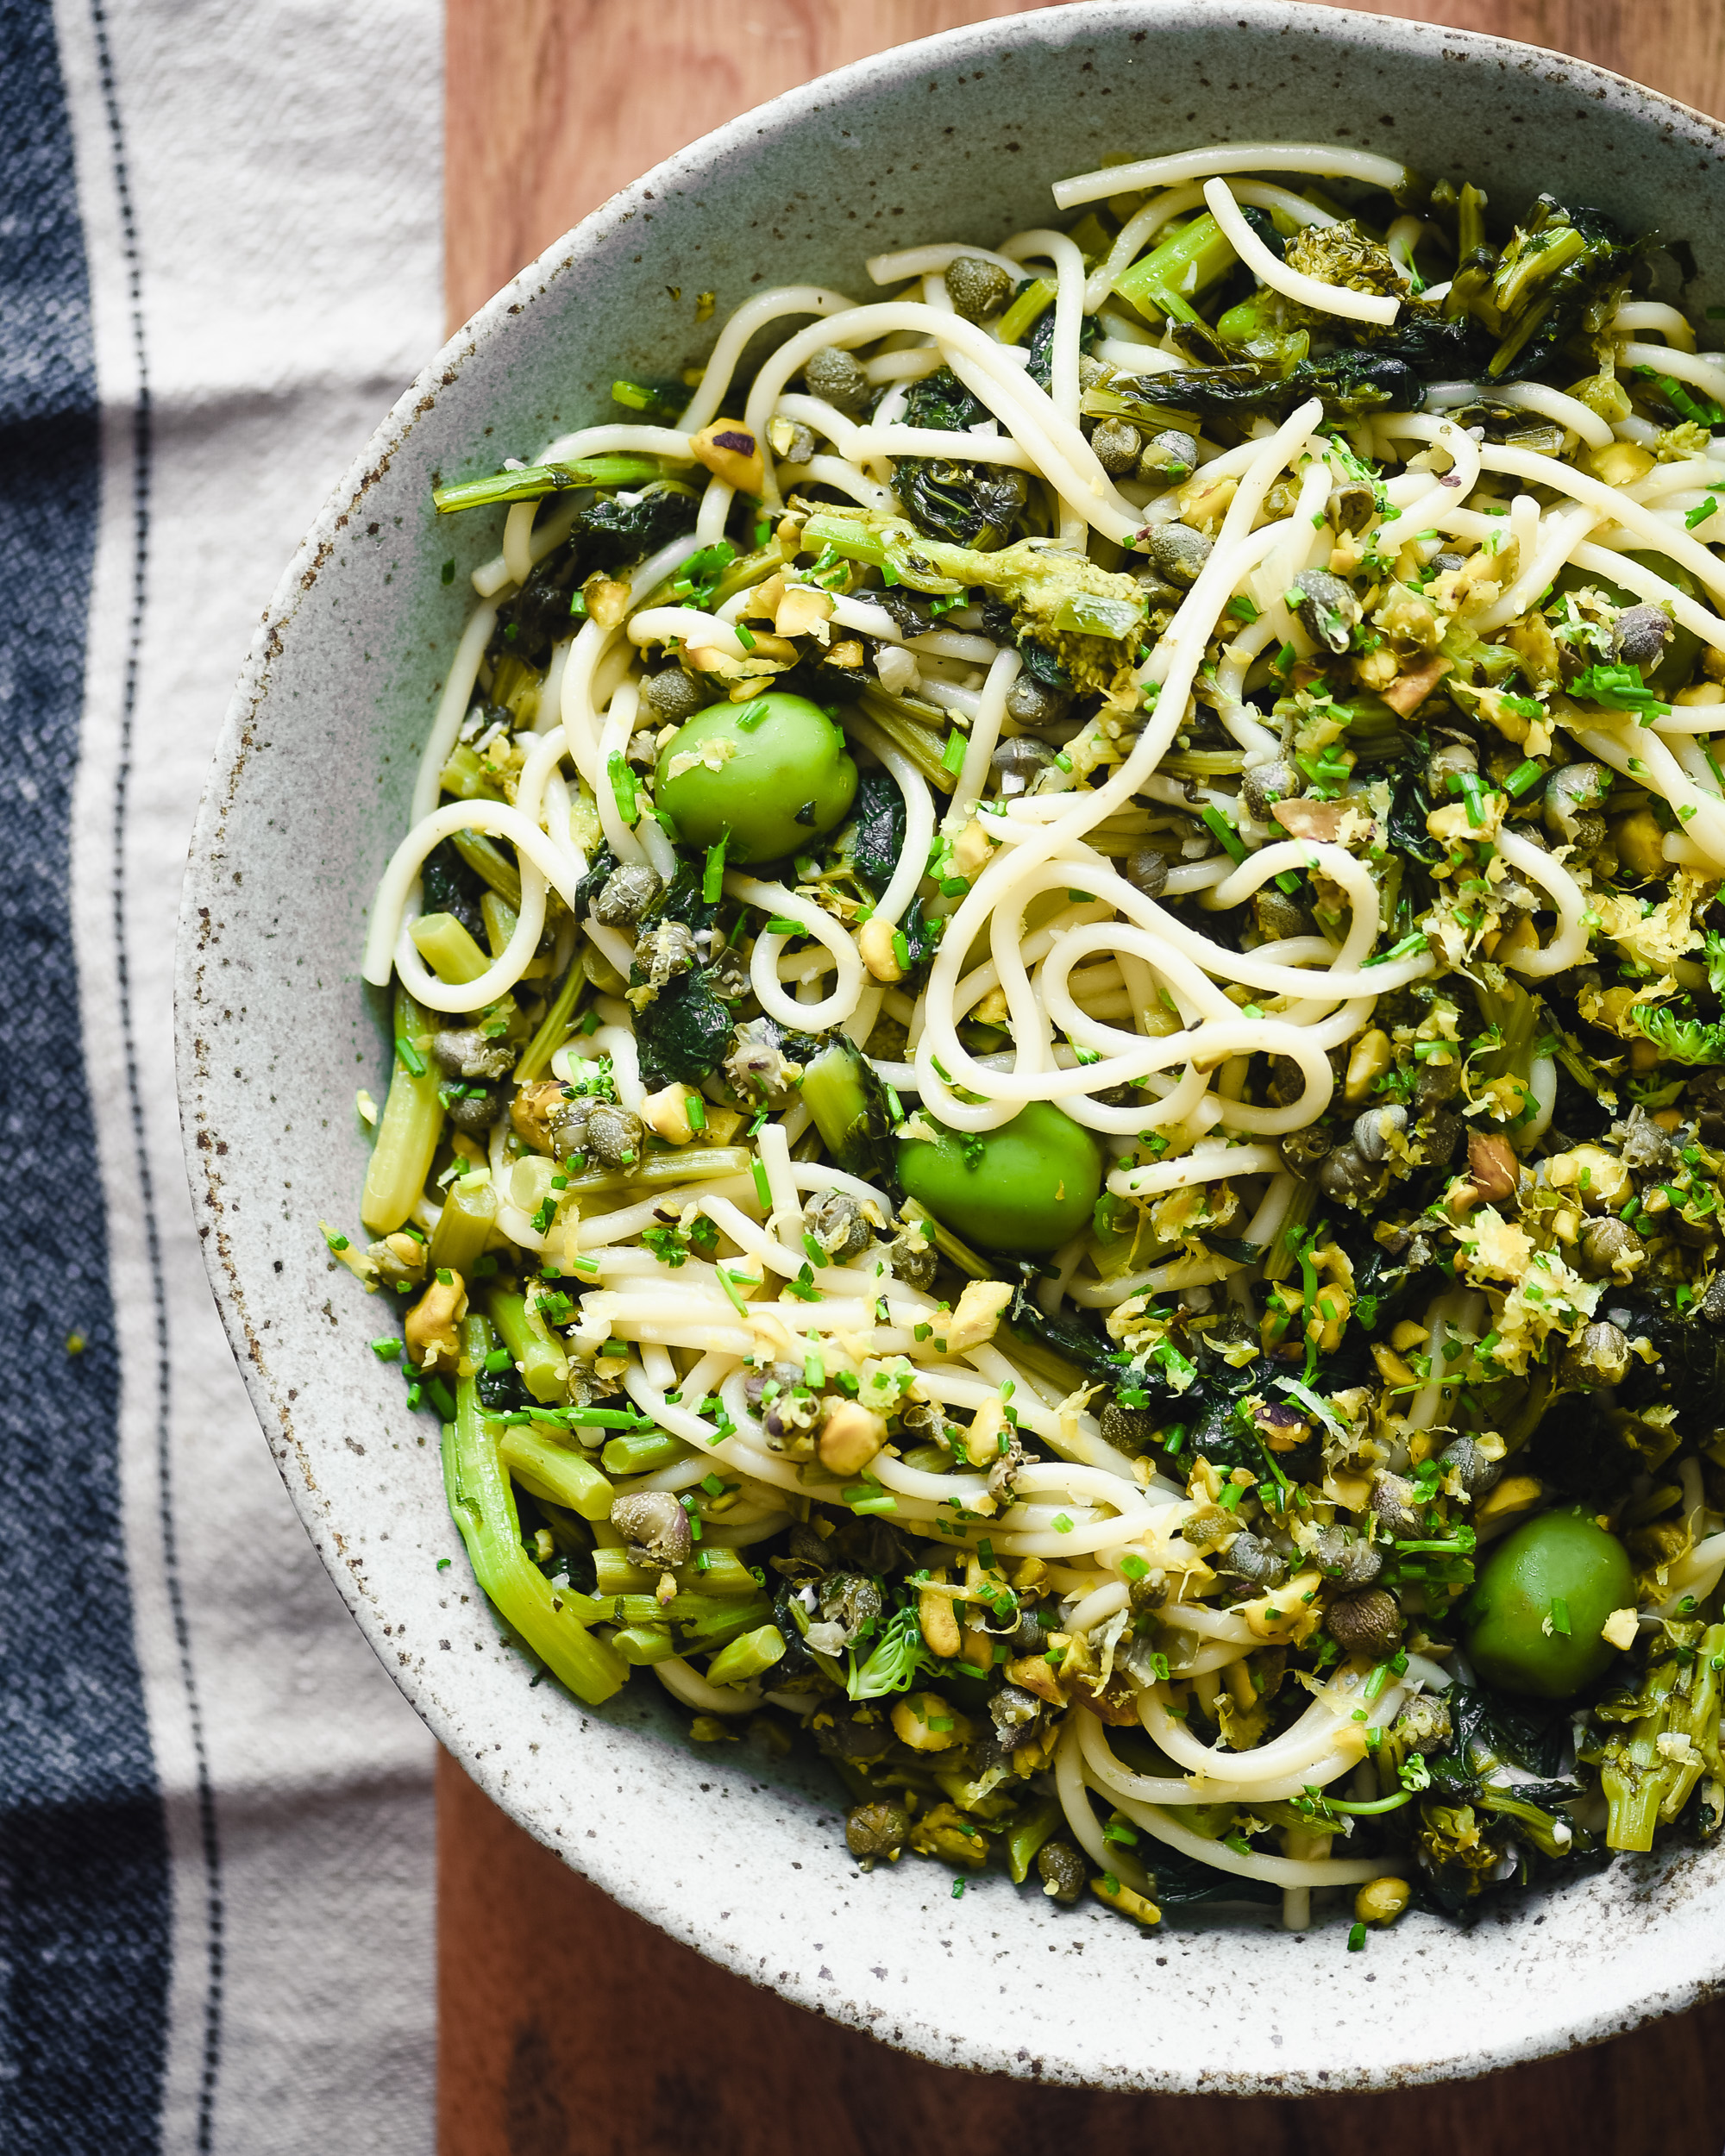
pixel 219 261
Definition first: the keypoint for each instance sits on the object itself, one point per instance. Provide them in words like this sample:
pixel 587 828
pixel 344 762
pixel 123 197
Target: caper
pixel 1599 1358
pixel 1250 1559
pixel 834 374
pixel 1437 1083
pixel 1640 634
pixel 1347 1175
pixel 1032 703
pixel 1711 1307
pixel 1015 1715
pixel 914 1256
pixel 654 1527
pixel 1572 794
pixel 1609 1242
pixel 473 1110
pixel 756 1068
pixel 1179 552
pixel 665 951
pixel 1473 1472
pixel 1117 443
pixel 1327 606
pixel 1147 871
pixel 873 1831
pixel 1278 916
pixel 1302 1150
pixel 568 1124
pixel 1374 1130
pixel 1396 1502
pixel 1266 784
pixel 671 695
pixel 626 895
pixel 1168 458
pixel 614 1134
pixel 1439 1132
pixel 781 1378
pixel 1368 1623
pixel 1017 763
pixel 1423 1725
pixel 835 1220
pixel 1129 1430
pixel 1343 1556
pixel 467 1052
pixel 1062 1870
pixel 976 288
pixel 1350 507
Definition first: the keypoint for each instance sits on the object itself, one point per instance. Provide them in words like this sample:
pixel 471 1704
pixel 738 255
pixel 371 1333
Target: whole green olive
pixel 1030 1186
pixel 1534 1619
pixel 769 776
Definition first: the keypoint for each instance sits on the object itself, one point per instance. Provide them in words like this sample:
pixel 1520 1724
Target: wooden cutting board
pixel 566 2027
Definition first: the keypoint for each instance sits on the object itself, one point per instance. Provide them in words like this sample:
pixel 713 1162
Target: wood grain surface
pixel 567 2027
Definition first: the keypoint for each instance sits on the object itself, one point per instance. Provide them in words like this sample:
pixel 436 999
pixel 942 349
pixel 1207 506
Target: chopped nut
pixel 939 1623
pixel 432 1343
pixel 1515 1492
pixel 1369 1061
pixel 802 611
pixel 1492 1167
pixel 875 947
pixel 1382 1901
pixel 926 1722
pixel 977 1316
pixel 1126 1900
pixel 1620 1628
pixel 667 1113
pixel 729 451
pixel 849 1438
pixel 533 1110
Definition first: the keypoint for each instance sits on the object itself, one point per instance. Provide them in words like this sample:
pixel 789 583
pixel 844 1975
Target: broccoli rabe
pixel 1681 1039
pixel 1089 617
pixel 1563 272
pixel 1649 1772
pixel 972 505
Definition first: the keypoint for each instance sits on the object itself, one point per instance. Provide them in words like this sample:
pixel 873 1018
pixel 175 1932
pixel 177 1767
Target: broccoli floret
pixel 1342 254
pixel 1088 617
pixel 1680 1039
pixel 1649 1772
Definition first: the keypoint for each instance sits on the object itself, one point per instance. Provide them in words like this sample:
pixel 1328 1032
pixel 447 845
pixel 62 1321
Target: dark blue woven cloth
pixel 84 1906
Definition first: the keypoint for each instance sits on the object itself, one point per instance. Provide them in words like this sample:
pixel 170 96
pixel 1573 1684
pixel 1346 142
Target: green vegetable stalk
pixel 409 1128
pixel 483 1505
pixel 533 481
pixel 1648 1772
pixel 1089 617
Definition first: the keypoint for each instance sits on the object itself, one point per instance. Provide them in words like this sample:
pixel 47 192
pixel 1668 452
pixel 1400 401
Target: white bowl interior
pixel 958 137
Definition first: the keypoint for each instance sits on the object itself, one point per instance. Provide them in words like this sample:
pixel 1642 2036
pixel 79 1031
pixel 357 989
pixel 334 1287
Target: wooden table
pixel 568 2027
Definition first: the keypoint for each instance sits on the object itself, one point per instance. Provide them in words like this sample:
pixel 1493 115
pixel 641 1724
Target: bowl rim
pixel 1061 23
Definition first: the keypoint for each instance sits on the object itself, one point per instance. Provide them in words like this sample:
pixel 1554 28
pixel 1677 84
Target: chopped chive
pixel 386 1351
pixel 712 876
pixel 412 1060
pixel 952 756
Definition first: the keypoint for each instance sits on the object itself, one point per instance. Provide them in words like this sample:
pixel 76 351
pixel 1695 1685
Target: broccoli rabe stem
pixel 847 1103
pixel 409 1126
pixel 1164 281
pixel 553 1027
pixel 1648 1774
pixel 1052 590
pixel 483 1504
pixel 544 1366
pixel 534 480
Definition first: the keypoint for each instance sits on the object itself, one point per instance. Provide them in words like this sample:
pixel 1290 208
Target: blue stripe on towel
pixel 85 1896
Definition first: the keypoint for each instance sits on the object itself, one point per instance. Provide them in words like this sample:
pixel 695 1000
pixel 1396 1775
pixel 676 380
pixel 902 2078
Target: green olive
pixel 1535 1617
pixel 1677 661
pixel 1031 1185
pixel 768 776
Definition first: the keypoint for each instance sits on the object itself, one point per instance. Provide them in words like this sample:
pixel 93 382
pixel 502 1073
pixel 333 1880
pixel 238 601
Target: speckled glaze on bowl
pixel 959 136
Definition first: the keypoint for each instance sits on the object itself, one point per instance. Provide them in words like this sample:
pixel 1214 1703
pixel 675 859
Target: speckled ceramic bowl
pixel 960 137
